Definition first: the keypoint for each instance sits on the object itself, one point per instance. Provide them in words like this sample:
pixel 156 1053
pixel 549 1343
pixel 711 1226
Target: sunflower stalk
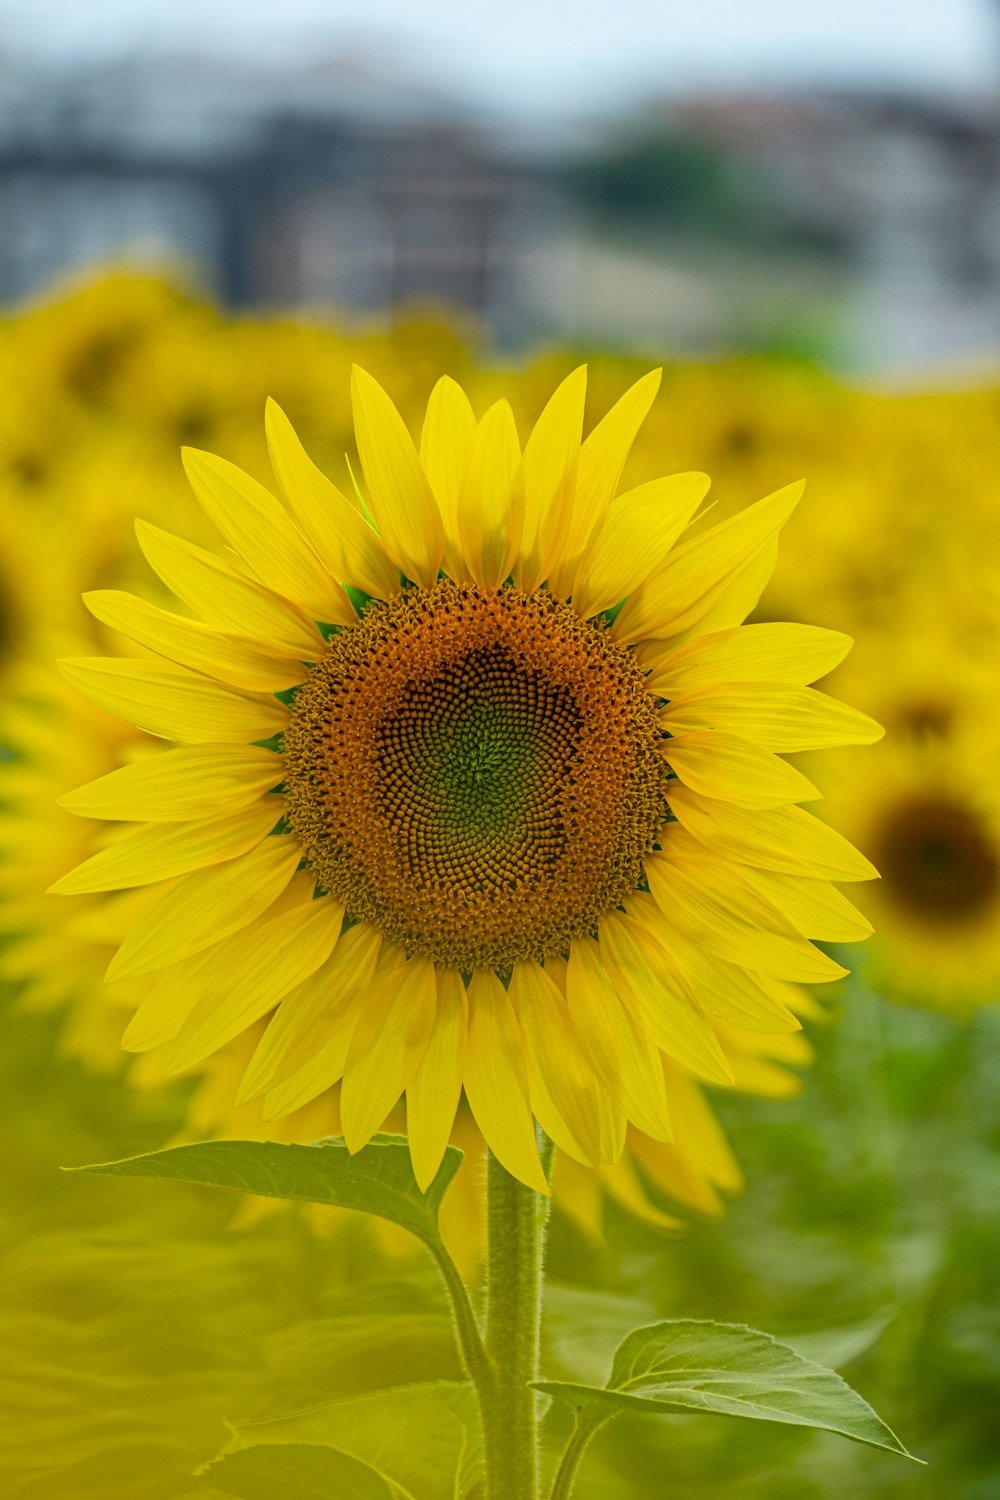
pixel 517 1221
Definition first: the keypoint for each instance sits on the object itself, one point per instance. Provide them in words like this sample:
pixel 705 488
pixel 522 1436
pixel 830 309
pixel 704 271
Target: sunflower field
pixel 821 1156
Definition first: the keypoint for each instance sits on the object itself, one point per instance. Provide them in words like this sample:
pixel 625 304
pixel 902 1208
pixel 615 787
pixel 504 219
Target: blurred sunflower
pixel 479 782
pixel 927 810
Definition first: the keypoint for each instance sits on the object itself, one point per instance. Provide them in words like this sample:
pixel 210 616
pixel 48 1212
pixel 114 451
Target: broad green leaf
pixel 731 1371
pixel 377 1180
pixel 424 1438
pixel 297 1471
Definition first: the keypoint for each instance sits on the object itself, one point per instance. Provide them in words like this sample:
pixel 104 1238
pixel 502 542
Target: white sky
pixel 538 58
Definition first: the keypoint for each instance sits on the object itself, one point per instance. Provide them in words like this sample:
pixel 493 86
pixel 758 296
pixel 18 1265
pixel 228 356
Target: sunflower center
pixel 476 773
pixel 937 859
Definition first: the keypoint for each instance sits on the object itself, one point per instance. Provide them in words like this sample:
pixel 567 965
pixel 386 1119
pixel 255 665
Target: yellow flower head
pixel 478 783
pixel 927 810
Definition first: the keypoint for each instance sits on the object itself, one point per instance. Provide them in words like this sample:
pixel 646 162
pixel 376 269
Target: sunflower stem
pixel 517 1219
pixel 470 1342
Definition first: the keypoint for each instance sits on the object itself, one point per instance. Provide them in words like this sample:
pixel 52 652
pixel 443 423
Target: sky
pixel 544 58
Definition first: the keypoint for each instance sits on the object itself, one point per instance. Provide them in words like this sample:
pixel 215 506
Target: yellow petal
pixel 788 840
pixel 491 499
pixel 496 1080
pixel 207 906
pixel 227 599
pixel 720 988
pixel 620 1052
pixel 682 1171
pixel 163 850
pixel 775 718
pixel 699 1133
pixel 772 652
pixel 260 530
pixel 551 455
pixel 722 565
pixel 578 1192
pixel 445 443
pixel 172 702
pixel 180 784
pixel 401 498
pixel 168 1004
pixel 612 1122
pixel 621 1182
pixel 565 1095
pixel 729 919
pixel 190 644
pixel 664 1008
pixel 433 1092
pixel 349 548
pixel 815 907
pixel 602 459
pixel 110 920
pixel 386 1048
pixel 166 1007
pixel 252 971
pixel 733 770
pixel 304 1049
pixel 633 538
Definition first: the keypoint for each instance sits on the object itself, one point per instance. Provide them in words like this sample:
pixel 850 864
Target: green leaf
pixel 376 1180
pixel 296 1472
pixel 728 1370
pixel 425 1438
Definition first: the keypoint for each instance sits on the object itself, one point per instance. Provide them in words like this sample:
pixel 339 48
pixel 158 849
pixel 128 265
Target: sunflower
pixel 478 784
pixel 58 731
pixel 927 810
pixel 55 733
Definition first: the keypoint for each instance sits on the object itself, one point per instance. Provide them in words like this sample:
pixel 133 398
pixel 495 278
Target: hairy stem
pixel 470 1342
pixel 517 1219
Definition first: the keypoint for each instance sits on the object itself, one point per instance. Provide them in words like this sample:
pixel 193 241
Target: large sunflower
pixel 54 735
pixel 478 784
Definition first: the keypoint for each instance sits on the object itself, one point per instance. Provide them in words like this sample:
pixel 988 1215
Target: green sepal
pixel 359 599
pixel 610 615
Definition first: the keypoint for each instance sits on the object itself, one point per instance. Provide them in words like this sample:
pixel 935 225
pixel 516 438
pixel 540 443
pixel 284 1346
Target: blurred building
pixel 862 229
pixel 327 185
pixel 904 190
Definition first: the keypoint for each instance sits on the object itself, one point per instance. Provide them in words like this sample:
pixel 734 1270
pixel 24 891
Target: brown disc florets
pixel 476 773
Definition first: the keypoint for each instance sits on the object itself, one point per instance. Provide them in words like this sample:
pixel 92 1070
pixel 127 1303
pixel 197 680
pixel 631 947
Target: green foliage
pixel 377 1180
pixel 670 179
pixel 732 1371
pixel 135 1326
pixel 425 1439
pixel 298 1471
